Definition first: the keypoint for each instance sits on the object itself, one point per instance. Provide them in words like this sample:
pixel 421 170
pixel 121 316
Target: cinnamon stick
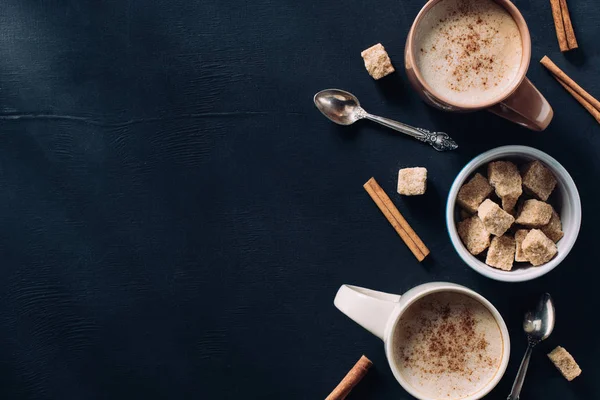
pixel 559 74
pixel 595 113
pixel 569 32
pixel 559 25
pixel 408 235
pixel 351 379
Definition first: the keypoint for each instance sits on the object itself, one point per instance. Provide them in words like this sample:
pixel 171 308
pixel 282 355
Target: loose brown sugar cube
pixel 473 235
pixel 538 180
pixel 553 229
pixel 496 220
pixel 537 248
pixel 377 61
pixel 501 253
pixel 506 181
pixel 412 181
pixel 534 214
pixel 472 194
pixel 519 237
pixel 565 363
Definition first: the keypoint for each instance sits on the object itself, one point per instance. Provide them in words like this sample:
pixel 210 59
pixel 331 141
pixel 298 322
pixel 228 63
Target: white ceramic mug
pixel 379 313
pixel 568 205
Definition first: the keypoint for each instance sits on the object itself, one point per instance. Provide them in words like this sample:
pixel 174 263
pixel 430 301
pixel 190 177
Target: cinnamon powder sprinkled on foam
pixel 448 339
pixel 476 46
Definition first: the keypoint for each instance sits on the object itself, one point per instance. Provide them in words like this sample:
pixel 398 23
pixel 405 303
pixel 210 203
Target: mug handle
pixel 526 107
pixel 368 308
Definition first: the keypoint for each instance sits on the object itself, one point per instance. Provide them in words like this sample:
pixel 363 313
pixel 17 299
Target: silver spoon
pixel 538 325
pixel 343 108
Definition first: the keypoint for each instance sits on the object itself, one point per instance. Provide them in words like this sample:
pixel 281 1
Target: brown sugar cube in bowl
pixel 553 229
pixel 538 248
pixel 496 220
pixel 474 235
pixel 538 180
pixel 501 253
pixel 505 178
pixel 565 363
pixel 412 181
pixel 534 214
pixel 377 61
pixel 519 237
pixel 464 214
pixel 472 193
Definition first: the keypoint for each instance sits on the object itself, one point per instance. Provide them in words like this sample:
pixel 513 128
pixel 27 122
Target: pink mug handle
pixel 526 107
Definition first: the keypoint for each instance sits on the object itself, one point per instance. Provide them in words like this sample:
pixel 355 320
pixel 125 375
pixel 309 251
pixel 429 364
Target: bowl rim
pixel 472 166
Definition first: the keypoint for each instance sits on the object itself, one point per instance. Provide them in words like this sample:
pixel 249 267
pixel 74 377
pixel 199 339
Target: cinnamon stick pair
pixel 564 27
pixel 589 102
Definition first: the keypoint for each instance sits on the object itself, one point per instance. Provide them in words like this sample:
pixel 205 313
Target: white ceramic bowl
pixel 568 206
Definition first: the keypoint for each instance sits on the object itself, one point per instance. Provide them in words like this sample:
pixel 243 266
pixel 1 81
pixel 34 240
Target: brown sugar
pixel 377 61
pixel 501 254
pixel 534 214
pixel 472 194
pixel 565 363
pixel 473 234
pixel 538 180
pixel 538 248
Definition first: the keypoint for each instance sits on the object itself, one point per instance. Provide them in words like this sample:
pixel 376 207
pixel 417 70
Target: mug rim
pixel 523 68
pixel 436 287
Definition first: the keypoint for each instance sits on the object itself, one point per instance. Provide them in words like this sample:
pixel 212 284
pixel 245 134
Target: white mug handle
pixel 368 308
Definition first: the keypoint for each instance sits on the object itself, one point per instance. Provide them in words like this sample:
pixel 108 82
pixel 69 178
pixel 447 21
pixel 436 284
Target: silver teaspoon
pixel 343 108
pixel 538 325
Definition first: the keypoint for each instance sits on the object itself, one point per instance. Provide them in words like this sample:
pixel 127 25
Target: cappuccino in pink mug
pixel 467 55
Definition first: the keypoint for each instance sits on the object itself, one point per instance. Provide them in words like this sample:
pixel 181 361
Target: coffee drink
pixel 448 345
pixel 468 51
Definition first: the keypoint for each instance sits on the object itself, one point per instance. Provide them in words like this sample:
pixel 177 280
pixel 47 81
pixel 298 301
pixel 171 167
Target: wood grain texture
pixel 176 216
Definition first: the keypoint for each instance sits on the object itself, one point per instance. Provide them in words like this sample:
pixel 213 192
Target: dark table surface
pixel 176 216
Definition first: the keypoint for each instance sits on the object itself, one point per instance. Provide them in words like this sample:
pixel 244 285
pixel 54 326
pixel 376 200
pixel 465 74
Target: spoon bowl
pixel 539 323
pixel 339 106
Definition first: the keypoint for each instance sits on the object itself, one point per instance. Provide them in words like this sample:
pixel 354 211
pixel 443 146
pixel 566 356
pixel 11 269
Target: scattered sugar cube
pixel 534 214
pixel 496 220
pixel 377 61
pixel 412 181
pixel 473 235
pixel 538 248
pixel 538 180
pixel 519 237
pixel 506 181
pixel 553 229
pixel 472 194
pixel 565 363
pixel 501 253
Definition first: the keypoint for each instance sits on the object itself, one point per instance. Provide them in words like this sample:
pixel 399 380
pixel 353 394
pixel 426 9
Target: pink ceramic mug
pixel 521 102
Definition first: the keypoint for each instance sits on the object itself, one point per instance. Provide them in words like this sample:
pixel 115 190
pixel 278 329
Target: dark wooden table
pixel 176 216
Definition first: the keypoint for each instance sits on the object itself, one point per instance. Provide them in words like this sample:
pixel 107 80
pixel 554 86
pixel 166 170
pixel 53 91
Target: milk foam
pixel 448 345
pixel 468 51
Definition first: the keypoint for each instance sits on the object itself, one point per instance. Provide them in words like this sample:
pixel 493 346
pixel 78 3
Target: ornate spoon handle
pixel 439 140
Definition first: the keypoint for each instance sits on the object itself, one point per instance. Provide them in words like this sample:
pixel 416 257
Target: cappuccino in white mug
pixel 448 345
